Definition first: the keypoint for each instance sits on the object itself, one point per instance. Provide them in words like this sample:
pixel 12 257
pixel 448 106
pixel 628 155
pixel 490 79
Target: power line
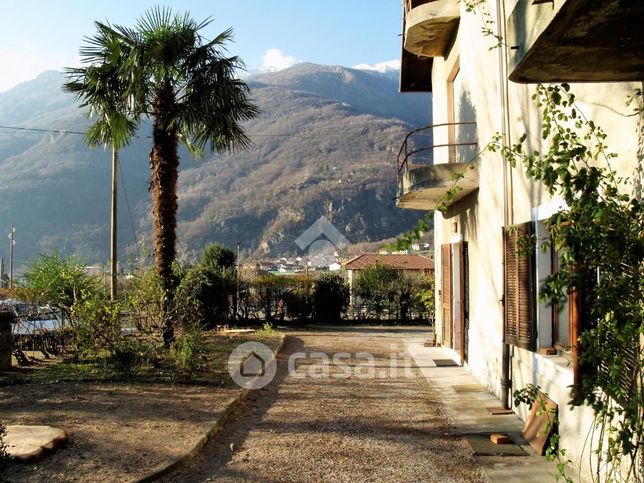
pixel 57 131
pixel 129 211
pixel 291 135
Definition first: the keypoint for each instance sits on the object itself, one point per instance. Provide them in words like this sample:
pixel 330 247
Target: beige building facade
pixel 481 86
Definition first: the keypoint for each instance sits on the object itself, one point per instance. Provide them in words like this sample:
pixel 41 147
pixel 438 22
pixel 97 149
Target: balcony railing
pixel 418 148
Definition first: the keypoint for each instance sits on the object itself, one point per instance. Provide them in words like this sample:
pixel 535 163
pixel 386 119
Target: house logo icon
pixel 252 365
pixel 312 238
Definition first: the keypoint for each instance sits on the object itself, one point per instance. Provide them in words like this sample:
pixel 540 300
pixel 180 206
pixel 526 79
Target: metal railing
pixel 411 148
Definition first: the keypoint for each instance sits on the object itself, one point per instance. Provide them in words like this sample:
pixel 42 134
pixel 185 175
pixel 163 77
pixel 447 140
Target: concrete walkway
pixel 466 404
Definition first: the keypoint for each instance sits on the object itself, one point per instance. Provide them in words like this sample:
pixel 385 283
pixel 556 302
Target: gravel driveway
pixel 348 426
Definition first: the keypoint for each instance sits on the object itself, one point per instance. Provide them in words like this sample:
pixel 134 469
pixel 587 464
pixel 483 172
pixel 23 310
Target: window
pixel 560 314
pixel 520 295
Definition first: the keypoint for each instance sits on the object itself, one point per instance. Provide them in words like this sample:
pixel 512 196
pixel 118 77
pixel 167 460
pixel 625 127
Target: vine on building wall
pixel 599 239
pixel 488 27
pixel 531 394
pixel 600 243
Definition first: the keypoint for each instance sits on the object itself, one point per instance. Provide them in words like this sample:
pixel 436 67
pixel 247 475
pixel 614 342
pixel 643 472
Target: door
pixel 460 286
pixel 455 297
pixel 446 293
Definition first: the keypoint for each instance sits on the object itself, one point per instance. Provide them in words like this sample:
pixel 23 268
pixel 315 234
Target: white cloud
pixel 383 67
pixel 274 60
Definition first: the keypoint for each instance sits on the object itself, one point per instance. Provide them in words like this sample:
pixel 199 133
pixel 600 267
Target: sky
pixel 39 35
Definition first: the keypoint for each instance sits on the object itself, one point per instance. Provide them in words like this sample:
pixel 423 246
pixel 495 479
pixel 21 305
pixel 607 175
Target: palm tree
pixel 164 69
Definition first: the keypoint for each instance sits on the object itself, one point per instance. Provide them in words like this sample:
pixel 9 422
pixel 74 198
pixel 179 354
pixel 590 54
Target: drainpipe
pixel 506 382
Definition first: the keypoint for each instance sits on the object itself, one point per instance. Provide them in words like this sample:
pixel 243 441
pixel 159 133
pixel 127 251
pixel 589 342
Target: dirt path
pixel 347 427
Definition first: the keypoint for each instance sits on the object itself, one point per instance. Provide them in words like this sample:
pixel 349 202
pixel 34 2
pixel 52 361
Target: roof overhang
pixel 429 28
pixel 577 41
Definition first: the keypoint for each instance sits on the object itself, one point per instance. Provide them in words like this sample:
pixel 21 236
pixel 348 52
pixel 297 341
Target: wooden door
pixel 446 293
pixel 460 294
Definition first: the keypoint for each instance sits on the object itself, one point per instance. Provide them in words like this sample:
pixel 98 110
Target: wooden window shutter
pixel 466 301
pixel 519 299
pixel 446 293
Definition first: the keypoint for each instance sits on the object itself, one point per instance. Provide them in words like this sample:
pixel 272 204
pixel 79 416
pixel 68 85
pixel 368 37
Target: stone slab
pixel 482 445
pixel 26 443
pixel 445 363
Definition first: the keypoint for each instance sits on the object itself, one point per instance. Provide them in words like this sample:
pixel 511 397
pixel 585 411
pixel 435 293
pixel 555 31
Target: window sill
pixel 557 368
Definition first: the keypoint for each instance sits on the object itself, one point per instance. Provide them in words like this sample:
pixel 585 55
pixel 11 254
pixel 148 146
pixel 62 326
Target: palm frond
pixel 215 103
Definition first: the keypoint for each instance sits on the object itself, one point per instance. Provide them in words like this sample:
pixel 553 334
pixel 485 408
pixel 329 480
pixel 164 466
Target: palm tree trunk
pixel 164 164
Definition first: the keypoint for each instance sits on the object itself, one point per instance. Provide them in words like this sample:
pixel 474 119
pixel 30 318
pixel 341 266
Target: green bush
pixel 267 291
pixel 330 297
pixel 96 325
pixel 387 291
pixel 129 355
pixel 203 297
pixel 424 300
pixel 59 282
pixel 190 352
pixel 216 257
pixel 145 299
pixel 377 287
pixel 297 294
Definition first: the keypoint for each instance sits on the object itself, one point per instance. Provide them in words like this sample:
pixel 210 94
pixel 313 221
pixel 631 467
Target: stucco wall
pixel 480 218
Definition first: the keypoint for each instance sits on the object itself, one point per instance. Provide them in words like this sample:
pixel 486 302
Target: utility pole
pixel 113 247
pixel 12 242
pixel 237 281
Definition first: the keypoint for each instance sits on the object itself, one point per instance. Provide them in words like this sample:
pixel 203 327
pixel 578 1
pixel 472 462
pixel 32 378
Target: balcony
pixel 576 41
pixel 430 26
pixel 422 184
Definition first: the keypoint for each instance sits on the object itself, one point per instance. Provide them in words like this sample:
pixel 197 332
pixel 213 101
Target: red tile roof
pixel 401 262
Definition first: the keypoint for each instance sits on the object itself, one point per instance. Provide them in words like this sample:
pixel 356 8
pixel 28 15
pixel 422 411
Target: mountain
pixel 324 145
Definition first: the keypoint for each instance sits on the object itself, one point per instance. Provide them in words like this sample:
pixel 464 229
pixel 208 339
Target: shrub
pixel 387 291
pixel 424 299
pixel 297 294
pixel 129 355
pixel 96 324
pixel 189 352
pixel 216 257
pixel 330 297
pixel 145 300
pixel 376 287
pixel 203 296
pixel 59 282
pixel 267 290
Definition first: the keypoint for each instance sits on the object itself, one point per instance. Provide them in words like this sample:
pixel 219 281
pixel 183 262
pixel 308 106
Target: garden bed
pixel 119 430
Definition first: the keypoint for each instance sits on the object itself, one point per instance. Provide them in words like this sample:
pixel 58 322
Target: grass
pixel 206 364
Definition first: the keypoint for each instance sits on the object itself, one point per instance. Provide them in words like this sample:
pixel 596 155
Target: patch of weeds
pixel 128 357
pixel 190 353
pixel 268 329
pixel 4 457
pixel 75 371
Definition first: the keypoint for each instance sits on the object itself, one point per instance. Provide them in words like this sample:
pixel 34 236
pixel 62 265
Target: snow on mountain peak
pixel 382 67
